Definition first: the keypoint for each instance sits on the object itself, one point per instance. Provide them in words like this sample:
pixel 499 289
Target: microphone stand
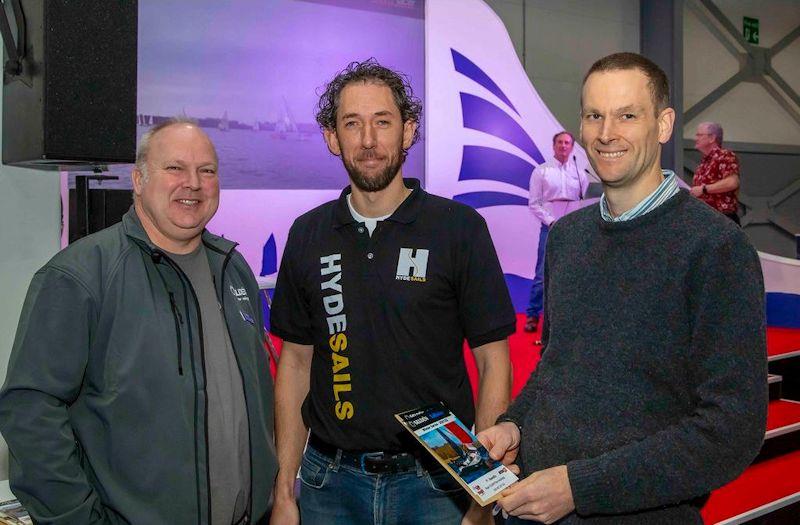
pixel 578 173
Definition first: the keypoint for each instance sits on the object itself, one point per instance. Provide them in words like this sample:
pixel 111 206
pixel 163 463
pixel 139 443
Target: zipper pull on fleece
pixel 175 307
pixel 178 319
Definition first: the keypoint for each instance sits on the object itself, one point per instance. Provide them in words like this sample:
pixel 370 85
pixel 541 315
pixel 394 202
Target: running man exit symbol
pixel 750 29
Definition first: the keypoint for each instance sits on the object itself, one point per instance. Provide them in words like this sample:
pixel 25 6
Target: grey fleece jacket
pixel 652 383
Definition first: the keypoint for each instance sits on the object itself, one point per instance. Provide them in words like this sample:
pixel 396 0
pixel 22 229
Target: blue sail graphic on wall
pixel 488 163
pixel 269 257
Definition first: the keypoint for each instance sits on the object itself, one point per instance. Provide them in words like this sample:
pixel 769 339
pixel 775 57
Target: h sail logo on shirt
pixel 333 301
pixel 412 265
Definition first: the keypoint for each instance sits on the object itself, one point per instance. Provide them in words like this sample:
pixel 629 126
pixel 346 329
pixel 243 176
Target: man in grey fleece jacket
pixel 651 390
pixel 138 389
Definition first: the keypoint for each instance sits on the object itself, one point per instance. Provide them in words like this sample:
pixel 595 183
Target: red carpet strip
pixel 782 341
pixel 783 413
pixel 759 485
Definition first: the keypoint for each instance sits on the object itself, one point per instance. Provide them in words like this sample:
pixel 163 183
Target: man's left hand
pixel 545 496
pixel 696 190
pixel 477 515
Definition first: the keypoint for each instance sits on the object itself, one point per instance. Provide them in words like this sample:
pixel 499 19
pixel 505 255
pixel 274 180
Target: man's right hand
pixel 285 512
pixel 502 442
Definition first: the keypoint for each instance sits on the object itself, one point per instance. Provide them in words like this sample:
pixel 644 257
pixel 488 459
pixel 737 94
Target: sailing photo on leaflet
pixel 458 450
pixel 467 458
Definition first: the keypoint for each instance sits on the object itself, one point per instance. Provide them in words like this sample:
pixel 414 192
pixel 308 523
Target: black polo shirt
pixel 388 314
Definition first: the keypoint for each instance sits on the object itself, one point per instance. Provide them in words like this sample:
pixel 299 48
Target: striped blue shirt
pixel 665 190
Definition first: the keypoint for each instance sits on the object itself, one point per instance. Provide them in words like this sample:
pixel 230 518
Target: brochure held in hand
pixel 459 451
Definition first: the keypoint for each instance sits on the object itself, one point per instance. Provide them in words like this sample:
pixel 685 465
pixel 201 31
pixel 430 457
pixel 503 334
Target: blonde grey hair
pixel 715 129
pixel 143 147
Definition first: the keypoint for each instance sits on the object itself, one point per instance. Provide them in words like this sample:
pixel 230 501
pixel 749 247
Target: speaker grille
pixel 87 80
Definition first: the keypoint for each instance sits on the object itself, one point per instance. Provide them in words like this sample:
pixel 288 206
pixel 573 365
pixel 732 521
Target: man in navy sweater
pixel 651 390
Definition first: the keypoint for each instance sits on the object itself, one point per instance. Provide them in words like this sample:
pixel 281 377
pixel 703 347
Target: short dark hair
pixel 657 79
pixel 369 71
pixel 563 132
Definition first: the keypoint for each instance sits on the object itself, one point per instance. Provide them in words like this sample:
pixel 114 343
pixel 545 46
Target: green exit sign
pixel 750 29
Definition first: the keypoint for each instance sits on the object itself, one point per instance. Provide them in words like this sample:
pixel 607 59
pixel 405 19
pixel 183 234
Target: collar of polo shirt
pixel 406 213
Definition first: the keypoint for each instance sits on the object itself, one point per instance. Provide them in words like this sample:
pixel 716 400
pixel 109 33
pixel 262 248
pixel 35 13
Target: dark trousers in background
pixel 535 302
pixel 734 217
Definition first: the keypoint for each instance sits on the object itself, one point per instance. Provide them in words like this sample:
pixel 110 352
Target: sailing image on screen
pixel 253 88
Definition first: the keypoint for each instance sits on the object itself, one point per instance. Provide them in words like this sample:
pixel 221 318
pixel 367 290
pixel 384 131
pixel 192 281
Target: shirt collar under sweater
pixel 665 190
pixel 669 207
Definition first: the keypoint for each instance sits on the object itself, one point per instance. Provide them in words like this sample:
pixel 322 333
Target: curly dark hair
pixel 369 71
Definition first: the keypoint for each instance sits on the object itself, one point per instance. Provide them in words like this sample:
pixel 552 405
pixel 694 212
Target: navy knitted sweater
pixel 652 384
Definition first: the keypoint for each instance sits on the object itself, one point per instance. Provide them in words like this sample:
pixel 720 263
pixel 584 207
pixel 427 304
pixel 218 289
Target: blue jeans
pixel 336 494
pixel 535 302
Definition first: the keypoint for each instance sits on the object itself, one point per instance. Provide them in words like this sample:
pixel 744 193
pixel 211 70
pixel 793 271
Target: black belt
pixel 374 462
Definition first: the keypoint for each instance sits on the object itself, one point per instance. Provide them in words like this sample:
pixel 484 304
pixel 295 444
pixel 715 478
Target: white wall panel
pixel 776 17
pixel 706 62
pixel 747 113
pixel 787 63
pixel 563 39
pixel 30 229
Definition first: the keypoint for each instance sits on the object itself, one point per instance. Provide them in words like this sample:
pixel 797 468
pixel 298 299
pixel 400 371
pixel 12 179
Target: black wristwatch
pixel 506 419
pixel 705 191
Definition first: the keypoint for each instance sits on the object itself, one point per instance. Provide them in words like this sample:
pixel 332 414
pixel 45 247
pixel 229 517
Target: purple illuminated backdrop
pixel 250 71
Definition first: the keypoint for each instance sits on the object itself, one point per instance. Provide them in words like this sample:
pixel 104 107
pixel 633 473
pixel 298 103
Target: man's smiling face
pixel 179 191
pixel 620 126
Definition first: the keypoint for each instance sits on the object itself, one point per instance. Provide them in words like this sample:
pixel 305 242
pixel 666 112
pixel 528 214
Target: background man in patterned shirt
pixel 716 180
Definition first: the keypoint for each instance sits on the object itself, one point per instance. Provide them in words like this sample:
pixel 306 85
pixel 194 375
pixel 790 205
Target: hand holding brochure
pixel 13 513
pixel 459 451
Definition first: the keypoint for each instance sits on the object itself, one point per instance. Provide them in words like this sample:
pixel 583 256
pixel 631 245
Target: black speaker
pixel 108 207
pixel 73 104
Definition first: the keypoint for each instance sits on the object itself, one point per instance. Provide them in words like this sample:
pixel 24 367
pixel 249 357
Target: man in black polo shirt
pixel 376 293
